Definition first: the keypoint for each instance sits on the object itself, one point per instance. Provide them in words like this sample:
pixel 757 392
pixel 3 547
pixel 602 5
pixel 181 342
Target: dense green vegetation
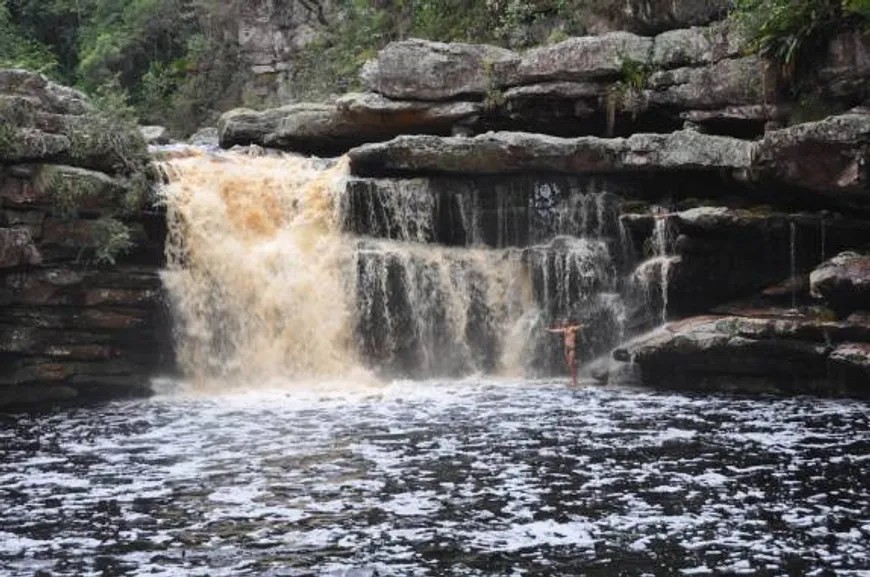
pixel 168 59
pixel 792 32
pixel 176 62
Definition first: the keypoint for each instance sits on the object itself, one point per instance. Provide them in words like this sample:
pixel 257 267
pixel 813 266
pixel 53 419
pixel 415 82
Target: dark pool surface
pixel 470 478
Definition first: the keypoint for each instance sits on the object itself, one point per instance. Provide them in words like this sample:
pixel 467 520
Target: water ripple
pixel 439 479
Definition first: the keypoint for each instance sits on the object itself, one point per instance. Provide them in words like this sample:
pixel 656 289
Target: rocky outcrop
pixel 274 38
pixel 80 298
pixel 783 355
pixel 352 120
pixel 844 282
pixel 617 82
pixel 155 134
pixel 517 152
pixel 424 70
pixel 827 156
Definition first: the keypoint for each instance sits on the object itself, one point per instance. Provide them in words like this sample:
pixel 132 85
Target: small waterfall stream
pixel 283 267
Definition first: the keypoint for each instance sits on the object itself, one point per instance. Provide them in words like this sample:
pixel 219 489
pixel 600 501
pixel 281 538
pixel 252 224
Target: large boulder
pixel 843 282
pixel 155 134
pixel 582 58
pixel 424 70
pixel 508 152
pixel 731 82
pixel 334 128
pixel 829 155
pixel 696 46
pixel 783 355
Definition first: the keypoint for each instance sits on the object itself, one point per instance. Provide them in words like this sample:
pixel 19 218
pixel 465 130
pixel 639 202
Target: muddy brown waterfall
pixel 284 268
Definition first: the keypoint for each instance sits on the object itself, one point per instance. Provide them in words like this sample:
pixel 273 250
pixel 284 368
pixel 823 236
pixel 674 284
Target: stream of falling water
pixel 254 258
pixel 273 274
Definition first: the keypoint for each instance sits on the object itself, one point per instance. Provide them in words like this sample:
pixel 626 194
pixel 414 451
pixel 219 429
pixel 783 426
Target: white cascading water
pixel 253 268
pixel 267 283
pixel 656 270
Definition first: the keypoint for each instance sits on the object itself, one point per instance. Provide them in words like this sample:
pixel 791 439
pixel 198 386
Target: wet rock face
pixel 70 327
pixel 719 254
pixel 782 355
pixel 843 282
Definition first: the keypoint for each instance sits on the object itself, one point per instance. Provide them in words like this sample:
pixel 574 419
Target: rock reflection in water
pixel 439 479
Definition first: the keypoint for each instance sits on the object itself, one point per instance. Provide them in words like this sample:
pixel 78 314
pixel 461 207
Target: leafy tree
pixel 19 51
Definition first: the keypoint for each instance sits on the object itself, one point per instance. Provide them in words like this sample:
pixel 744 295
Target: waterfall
pixel 254 261
pixel 656 270
pixel 284 267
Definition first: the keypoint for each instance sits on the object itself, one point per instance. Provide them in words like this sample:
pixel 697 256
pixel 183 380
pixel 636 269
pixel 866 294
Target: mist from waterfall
pixel 282 267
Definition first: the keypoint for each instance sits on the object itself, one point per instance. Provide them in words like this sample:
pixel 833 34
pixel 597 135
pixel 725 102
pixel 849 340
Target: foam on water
pixel 435 478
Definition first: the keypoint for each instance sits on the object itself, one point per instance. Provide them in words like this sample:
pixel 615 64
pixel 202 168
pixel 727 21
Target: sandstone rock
pixel 332 129
pixel 28 145
pixel 69 330
pixel 29 220
pixel 748 354
pixel 849 367
pixel 731 82
pixel 696 46
pixel 843 282
pixel 17 248
pixel 423 70
pixel 15 396
pixel 208 136
pixel 826 156
pixel 42 93
pixel 724 253
pixel 155 134
pixel 582 58
pixel 516 152
pixel 556 90
pixel 708 352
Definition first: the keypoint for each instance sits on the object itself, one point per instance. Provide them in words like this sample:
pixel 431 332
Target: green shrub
pixel 19 51
pixel 108 134
pixel 627 93
pixel 110 239
pixel 792 32
pixel 67 191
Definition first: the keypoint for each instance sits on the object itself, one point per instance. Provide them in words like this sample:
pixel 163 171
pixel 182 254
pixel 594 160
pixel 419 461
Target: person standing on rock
pixel 569 340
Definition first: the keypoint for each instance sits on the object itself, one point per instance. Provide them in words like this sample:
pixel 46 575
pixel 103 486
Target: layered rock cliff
pixel 740 215
pixel 80 248
pixel 731 191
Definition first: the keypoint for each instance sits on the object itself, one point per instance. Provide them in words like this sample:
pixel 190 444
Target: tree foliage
pixel 167 58
pixel 790 32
